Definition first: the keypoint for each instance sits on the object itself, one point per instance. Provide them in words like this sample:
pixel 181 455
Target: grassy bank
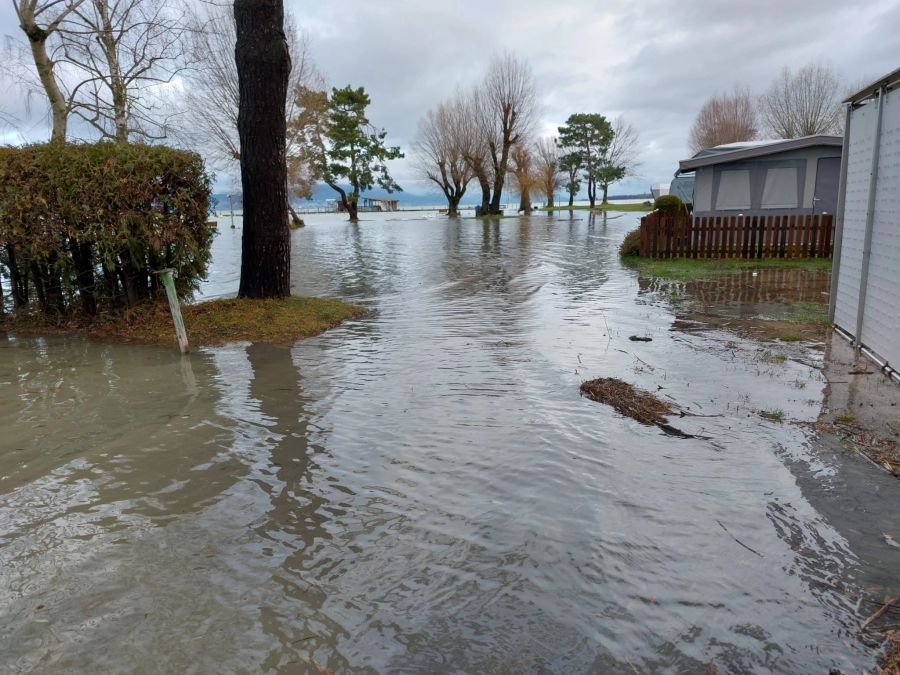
pixel 600 207
pixel 208 323
pixel 689 269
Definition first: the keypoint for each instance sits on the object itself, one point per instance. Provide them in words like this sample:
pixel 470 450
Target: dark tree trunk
pixel 38 280
pixel 112 286
pixel 263 65
pixel 18 285
pixel 127 276
pixel 485 207
pixel 296 220
pixel 605 194
pixel 453 205
pixel 525 202
pixel 592 192
pixel 84 275
pixel 550 203
pixel 500 166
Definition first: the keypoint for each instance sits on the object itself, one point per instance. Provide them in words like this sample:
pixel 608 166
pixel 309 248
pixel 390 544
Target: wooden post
pixel 168 282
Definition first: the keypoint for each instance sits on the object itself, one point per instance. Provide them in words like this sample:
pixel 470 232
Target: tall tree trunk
pixel 263 65
pixel 605 193
pixel 550 200
pixel 592 192
pixel 59 110
pixel 571 199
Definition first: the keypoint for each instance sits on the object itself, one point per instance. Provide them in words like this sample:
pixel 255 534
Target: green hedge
pixel 86 225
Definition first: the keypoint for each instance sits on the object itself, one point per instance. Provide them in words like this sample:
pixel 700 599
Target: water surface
pixel 423 489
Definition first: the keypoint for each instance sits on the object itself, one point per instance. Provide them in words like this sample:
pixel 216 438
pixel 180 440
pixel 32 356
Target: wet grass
pixel 807 313
pixel 691 269
pixel 207 323
pixel 774 415
pixel 639 207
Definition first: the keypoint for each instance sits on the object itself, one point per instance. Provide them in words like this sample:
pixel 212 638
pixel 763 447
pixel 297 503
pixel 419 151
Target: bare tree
pixel 439 157
pixel 803 103
pixel 40 20
pixel 548 170
pixel 470 131
pixel 523 170
pixel 125 52
pixel 508 104
pixel 212 97
pixel 621 159
pixel 725 118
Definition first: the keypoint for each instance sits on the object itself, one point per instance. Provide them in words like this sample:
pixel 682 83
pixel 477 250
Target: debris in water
pixel 635 403
pixel 638 338
pixel 627 399
pixel 885 607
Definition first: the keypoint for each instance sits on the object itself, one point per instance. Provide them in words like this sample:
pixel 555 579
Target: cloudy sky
pixel 653 61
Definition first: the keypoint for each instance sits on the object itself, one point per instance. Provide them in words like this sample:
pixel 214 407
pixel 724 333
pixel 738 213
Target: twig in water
pixel 738 540
pixel 885 607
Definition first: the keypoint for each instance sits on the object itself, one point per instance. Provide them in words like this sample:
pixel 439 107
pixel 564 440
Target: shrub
pixel 669 204
pixel 92 222
pixel 631 245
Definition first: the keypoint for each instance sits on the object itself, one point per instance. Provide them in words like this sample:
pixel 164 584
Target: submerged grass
pixel 214 322
pixel 692 269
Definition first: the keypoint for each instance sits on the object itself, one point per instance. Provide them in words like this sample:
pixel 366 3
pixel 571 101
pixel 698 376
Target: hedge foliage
pixel 669 204
pixel 88 224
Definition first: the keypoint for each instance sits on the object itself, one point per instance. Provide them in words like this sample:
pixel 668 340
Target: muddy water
pixel 423 490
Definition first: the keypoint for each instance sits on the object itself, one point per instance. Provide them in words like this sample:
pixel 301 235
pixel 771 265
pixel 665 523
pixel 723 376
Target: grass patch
pixel 845 418
pixel 807 312
pixel 692 269
pixel 774 415
pixel 639 207
pixel 790 338
pixel 207 323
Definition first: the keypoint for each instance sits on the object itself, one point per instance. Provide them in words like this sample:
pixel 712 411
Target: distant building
pixel 659 190
pixel 376 204
pixel 782 177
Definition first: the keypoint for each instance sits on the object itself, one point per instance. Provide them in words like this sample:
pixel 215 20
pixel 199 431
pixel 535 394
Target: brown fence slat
pixel 747 237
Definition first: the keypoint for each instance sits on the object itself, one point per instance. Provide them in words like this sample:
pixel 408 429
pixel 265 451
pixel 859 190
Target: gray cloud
pixel 654 61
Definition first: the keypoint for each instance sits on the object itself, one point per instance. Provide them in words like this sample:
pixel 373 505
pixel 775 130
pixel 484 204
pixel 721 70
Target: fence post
pixel 168 282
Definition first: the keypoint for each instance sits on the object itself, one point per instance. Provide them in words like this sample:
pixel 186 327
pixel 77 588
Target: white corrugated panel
pixel 881 322
pixel 859 169
pixel 881 325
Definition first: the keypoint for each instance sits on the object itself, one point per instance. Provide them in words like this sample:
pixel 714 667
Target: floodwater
pixel 423 489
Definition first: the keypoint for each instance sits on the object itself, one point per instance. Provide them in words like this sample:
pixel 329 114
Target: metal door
pixel 828 173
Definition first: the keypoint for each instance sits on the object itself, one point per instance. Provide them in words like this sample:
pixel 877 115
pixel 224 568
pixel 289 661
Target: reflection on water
pixel 423 489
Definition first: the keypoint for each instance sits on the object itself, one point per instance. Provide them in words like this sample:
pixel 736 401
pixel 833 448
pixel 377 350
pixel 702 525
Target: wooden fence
pixel 680 236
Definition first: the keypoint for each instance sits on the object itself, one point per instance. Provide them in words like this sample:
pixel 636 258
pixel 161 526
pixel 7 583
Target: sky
pixel 652 61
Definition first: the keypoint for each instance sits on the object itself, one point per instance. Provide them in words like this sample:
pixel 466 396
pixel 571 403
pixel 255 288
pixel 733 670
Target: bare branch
pixel 725 118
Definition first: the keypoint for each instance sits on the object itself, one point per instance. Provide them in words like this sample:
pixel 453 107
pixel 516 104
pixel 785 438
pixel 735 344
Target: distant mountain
pixel 322 193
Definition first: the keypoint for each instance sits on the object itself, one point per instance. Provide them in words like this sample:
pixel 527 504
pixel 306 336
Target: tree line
pixel 801 102
pixel 486 135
